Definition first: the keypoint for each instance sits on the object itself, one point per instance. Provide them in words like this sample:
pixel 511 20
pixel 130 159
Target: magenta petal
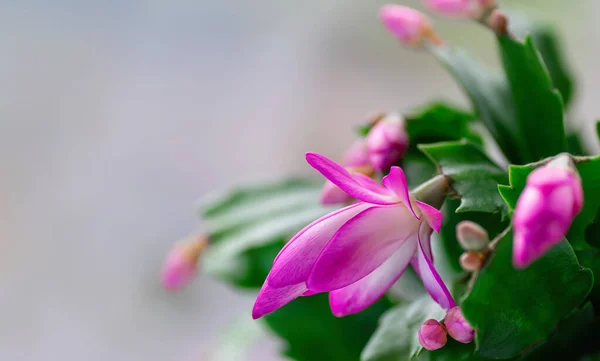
pixel 431 279
pixel 395 181
pixel 294 262
pixel 362 245
pixel 269 299
pixel 432 215
pixel 339 176
pixel 361 294
pixel 371 184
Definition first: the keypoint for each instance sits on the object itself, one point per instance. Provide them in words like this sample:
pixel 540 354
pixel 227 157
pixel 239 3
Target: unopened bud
pixel 432 335
pixel 457 326
pixel 471 236
pixel 498 21
pixel 181 264
pixel 387 142
pixel 475 9
pixel 472 261
pixel 552 197
pixel 408 25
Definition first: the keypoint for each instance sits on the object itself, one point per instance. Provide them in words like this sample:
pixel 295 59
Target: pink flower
pixel 182 263
pixel 461 8
pixel 356 160
pixel 407 25
pixel 387 141
pixel 458 328
pixel 551 199
pixel 432 335
pixel 358 252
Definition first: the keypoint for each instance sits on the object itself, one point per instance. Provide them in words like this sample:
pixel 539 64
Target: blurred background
pixel 115 116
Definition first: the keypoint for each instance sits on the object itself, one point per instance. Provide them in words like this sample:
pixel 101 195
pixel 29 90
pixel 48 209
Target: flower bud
pixel 432 335
pixel 408 25
pixel 471 236
pixel 461 8
pixel 472 261
pixel 387 141
pixel 181 264
pixel 552 197
pixel 458 328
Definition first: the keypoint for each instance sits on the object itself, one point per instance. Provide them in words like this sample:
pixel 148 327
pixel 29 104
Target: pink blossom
pixel 358 252
pixel 407 25
pixel 387 142
pixel 551 199
pixel 432 335
pixel 461 8
pixel 457 326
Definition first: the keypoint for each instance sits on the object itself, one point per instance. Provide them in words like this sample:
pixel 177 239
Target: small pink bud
pixel 181 264
pixel 458 328
pixel 408 25
pixel 471 236
pixel 461 8
pixel 432 335
pixel 545 210
pixel 387 141
pixel 472 261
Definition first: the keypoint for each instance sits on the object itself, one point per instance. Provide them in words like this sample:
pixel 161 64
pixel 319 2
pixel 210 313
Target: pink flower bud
pixel 472 261
pixel 432 335
pixel 458 328
pixel 408 25
pixel 387 141
pixel 181 264
pixel 551 199
pixel 471 236
pixel 461 8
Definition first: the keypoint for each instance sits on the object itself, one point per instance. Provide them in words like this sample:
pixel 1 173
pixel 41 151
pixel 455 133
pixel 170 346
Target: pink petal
pixel 339 176
pixel 294 262
pixel 395 181
pixel 371 184
pixel 361 294
pixel 361 245
pixel 432 215
pixel 269 299
pixel 431 279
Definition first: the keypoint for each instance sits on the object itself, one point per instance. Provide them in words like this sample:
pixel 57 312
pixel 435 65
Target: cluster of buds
pixel 475 241
pixel 433 333
pixel 181 265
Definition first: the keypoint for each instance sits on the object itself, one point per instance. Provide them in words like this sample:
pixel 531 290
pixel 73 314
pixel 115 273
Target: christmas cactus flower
pixel 358 252
pixel 519 244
